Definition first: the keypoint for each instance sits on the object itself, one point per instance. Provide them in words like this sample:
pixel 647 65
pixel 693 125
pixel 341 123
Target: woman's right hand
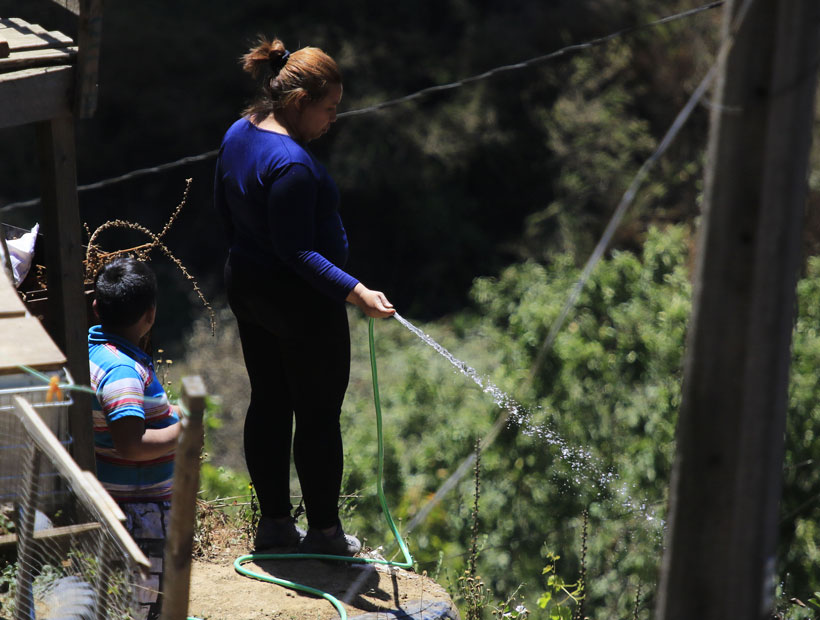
pixel 372 303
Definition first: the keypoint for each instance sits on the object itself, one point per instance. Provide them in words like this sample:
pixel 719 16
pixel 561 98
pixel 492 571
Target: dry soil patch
pixel 218 592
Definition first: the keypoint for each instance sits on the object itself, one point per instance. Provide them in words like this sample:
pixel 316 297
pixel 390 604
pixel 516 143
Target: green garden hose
pixel 408 560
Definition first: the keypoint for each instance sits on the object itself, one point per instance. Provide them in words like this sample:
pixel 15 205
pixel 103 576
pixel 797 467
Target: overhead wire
pixel 576 47
pixel 629 195
pixel 134 174
pixel 626 201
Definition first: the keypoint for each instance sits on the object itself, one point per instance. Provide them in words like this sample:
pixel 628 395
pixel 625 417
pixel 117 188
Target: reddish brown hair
pixel 285 78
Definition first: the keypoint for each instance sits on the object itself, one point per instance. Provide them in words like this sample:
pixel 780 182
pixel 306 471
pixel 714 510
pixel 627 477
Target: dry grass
pixel 221 527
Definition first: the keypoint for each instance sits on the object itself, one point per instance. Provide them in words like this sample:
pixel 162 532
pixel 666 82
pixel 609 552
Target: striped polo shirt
pixel 125 383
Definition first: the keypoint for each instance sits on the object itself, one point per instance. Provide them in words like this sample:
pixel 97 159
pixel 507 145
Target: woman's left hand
pixel 373 303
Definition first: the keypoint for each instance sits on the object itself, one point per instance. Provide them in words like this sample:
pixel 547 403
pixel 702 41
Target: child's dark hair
pixel 125 289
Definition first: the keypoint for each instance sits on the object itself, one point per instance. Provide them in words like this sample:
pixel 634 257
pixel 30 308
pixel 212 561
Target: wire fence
pixel 73 556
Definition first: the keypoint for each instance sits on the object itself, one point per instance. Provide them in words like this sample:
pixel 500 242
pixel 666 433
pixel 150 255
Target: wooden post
pixel 179 546
pixel 720 555
pixel 89 39
pixel 64 264
pixel 101 585
pixel 24 598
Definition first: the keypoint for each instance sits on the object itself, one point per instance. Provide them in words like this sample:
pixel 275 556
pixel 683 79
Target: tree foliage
pixel 596 430
pixel 434 192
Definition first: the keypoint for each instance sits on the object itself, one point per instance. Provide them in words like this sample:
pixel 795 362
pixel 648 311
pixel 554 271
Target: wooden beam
pixel 34 95
pixel 53 535
pixel 25 342
pixel 26 559
pixel 18 41
pixel 58 541
pixel 96 486
pixel 10 303
pixel 89 40
pixel 62 229
pixel 720 557
pixel 38 58
pixel 20 23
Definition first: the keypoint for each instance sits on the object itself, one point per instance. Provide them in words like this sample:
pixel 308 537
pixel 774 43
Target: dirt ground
pixel 369 591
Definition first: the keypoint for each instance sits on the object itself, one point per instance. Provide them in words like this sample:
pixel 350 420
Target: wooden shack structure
pixel 48 80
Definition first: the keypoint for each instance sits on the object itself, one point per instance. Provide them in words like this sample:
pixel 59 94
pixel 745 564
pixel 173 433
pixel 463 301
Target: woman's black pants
pixel 296 345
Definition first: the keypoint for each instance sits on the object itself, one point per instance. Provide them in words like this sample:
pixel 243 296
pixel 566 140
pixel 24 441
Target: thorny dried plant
pixel 251 516
pixel 470 585
pixel 95 257
pixel 582 578
pixel 476 595
pixel 471 563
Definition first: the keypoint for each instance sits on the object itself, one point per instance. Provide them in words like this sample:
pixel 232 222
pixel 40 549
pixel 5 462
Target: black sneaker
pixel 276 534
pixel 332 544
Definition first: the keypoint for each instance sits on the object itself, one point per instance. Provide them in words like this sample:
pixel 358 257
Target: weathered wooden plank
pixel 70 5
pixel 20 28
pixel 53 534
pixel 38 58
pixel 10 303
pixel 13 22
pixel 21 41
pixel 25 342
pixel 102 495
pixel 18 22
pixel 33 95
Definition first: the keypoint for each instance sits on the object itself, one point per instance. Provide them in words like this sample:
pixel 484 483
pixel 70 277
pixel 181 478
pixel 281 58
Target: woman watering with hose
pixel 287 288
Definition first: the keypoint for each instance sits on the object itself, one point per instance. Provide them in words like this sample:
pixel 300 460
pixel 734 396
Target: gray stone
pixel 414 610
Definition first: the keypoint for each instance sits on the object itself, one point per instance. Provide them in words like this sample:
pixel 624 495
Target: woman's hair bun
pixel 278 59
pixel 265 56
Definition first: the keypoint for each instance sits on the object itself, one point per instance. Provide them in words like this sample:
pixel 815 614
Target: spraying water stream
pixel 581 462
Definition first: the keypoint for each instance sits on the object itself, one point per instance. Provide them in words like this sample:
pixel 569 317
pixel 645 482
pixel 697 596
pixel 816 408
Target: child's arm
pixel 136 443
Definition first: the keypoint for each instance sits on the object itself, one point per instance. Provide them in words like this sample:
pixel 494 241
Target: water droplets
pixel 580 461
pixel 584 467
